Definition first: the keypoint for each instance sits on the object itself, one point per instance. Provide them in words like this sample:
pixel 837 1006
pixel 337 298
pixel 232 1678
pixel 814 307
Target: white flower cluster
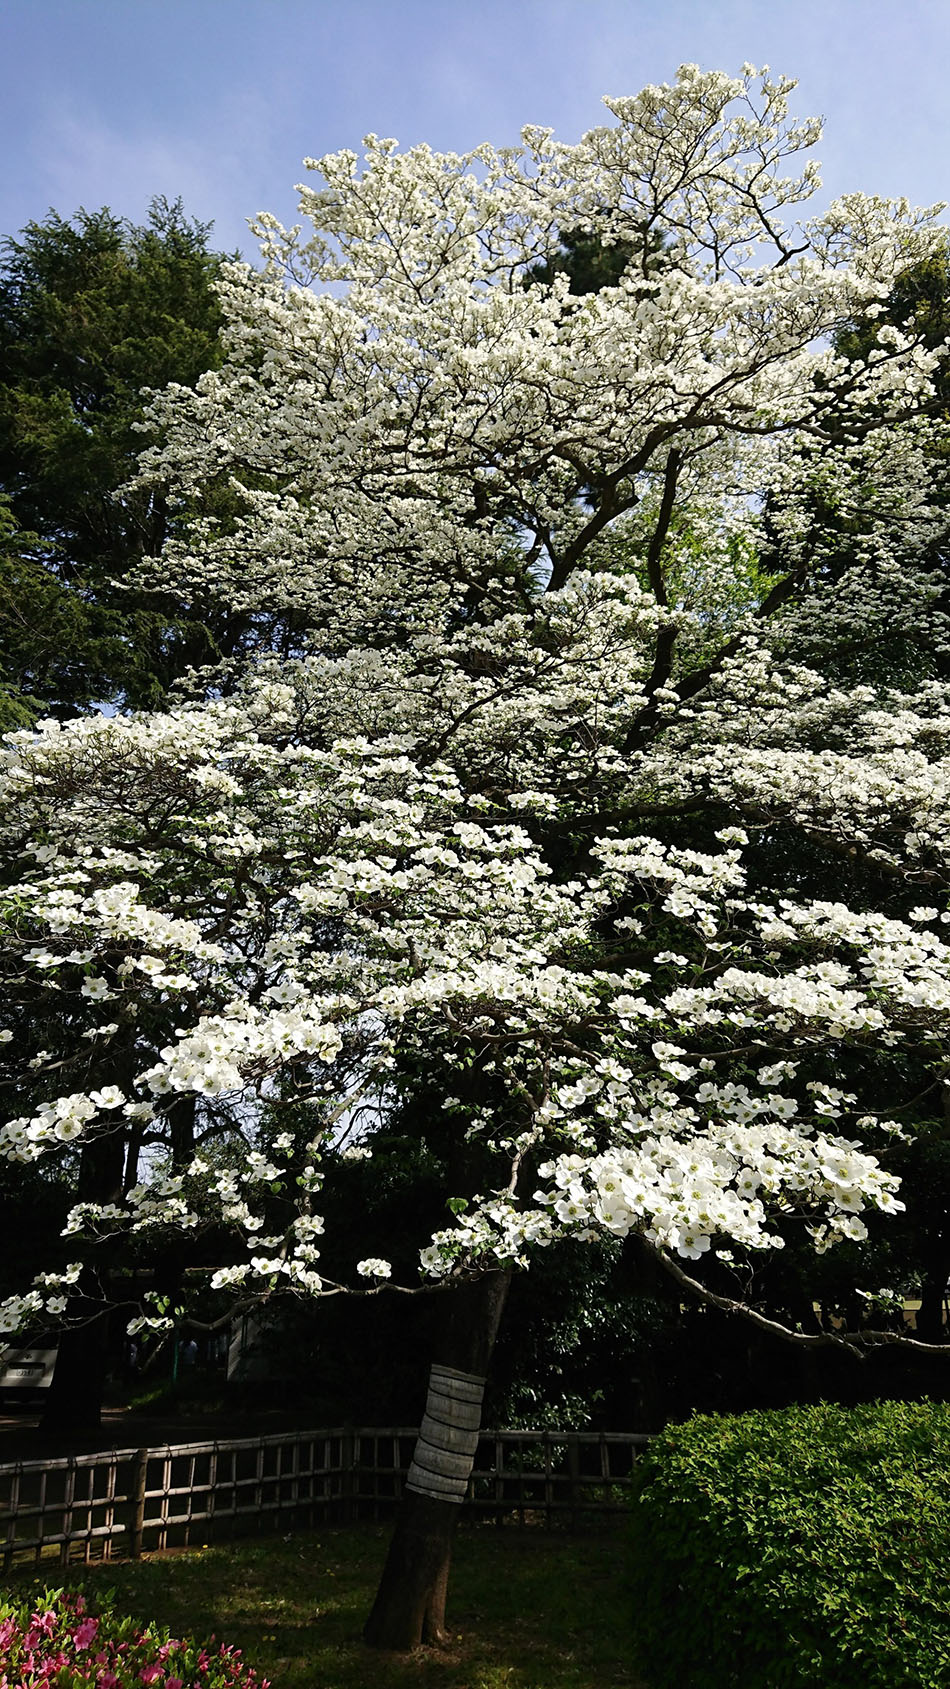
pixel 515 822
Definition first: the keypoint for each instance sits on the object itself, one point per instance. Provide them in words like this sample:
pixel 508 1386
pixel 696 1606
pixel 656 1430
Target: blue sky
pixel 112 101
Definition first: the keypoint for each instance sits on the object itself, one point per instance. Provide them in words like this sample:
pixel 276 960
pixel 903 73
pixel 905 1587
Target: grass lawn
pixel 527 1610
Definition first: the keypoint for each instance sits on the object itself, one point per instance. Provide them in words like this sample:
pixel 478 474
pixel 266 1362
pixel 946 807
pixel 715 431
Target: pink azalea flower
pixel 85 1632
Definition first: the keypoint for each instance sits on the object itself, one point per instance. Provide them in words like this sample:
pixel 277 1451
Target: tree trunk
pixel 410 1603
pixel 74 1401
pixel 933 1290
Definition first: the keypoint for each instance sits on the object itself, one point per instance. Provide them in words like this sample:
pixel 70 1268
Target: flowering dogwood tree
pixel 543 696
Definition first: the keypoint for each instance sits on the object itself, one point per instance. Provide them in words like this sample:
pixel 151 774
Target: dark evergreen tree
pixel 92 311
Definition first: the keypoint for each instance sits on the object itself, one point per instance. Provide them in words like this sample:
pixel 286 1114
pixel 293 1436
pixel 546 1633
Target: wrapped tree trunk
pixel 410 1603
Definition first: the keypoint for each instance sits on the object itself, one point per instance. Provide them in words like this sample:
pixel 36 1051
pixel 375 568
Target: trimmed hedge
pixel 807 1548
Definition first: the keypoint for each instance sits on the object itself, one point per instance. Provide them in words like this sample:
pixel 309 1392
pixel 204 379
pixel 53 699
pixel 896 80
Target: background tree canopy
pixel 92 311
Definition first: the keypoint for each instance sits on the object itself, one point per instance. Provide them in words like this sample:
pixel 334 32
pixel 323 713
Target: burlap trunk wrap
pixel 448 1436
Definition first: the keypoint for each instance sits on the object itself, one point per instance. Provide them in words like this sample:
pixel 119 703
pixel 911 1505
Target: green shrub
pixel 801 1549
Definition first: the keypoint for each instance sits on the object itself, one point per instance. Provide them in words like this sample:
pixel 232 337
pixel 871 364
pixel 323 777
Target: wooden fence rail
pixel 126 1501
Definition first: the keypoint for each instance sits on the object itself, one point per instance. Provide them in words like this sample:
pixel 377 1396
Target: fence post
pixel 139 1478
pixel 574 1467
pixel 112 1484
pixel 348 1475
pixel 13 1507
pixel 69 1492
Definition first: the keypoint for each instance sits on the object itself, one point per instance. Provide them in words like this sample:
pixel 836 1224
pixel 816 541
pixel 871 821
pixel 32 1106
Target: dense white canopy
pixel 548 592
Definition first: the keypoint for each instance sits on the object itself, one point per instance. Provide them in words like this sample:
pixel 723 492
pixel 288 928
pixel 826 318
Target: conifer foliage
pixel 92 311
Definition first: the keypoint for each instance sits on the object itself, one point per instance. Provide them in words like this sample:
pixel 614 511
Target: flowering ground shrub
pixel 796 1549
pixel 55 1642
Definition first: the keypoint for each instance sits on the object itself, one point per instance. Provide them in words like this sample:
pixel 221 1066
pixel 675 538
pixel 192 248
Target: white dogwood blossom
pixel 541 702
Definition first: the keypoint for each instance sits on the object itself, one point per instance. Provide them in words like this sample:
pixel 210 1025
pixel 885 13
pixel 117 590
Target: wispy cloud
pixel 108 102
pixel 224 162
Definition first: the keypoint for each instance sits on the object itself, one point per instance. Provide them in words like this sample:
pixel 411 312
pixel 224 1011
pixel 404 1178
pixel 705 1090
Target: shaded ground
pixel 527 1610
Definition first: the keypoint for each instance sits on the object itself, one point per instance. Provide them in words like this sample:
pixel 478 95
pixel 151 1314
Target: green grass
pixel 526 1610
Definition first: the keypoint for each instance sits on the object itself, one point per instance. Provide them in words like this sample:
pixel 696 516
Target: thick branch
pixel 654 570
pixel 693 683
pixel 856 1342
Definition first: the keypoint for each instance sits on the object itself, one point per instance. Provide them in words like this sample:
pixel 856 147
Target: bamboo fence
pixel 125 1502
